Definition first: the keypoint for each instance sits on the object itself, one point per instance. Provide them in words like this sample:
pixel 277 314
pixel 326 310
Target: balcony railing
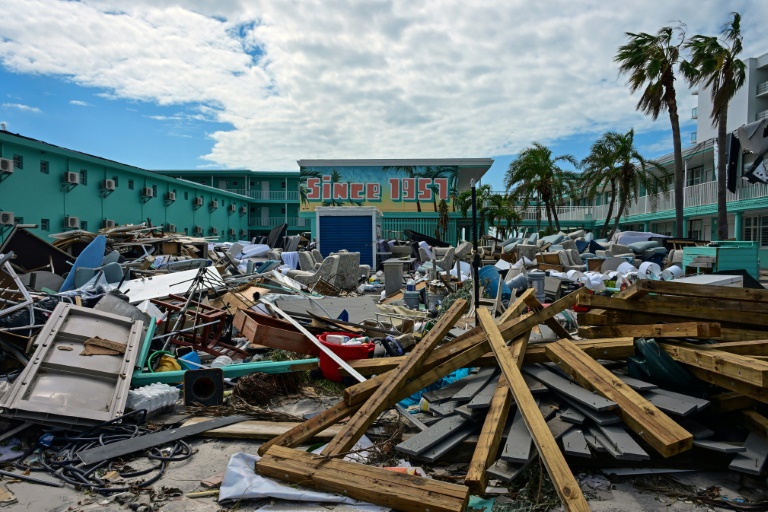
pixel 270 222
pixel 762 88
pixel 761 115
pixel 694 137
pixel 268 195
pixel 695 113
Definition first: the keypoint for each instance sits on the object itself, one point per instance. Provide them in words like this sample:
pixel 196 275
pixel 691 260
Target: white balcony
pixel 695 113
pixel 761 115
pixel 762 89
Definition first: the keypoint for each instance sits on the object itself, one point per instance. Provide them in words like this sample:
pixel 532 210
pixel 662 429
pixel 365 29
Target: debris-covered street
pixel 147 370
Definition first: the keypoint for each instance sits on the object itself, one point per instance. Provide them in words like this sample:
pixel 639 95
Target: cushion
pixel 639 247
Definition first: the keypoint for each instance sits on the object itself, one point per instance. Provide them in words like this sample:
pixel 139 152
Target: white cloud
pixel 21 106
pixel 79 103
pixel 356 79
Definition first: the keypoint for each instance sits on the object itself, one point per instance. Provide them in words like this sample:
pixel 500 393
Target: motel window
pixel 764 231
pixel 44 168
pixel 130 184
pixel 282 184
pixel 18 162
pixel 83 177
pixel 282 210
pixel 186 196
pixel 695 176
pixel 154 190
pixel 756 230
pixel 84 225
pixel 45 224
pixel 114 178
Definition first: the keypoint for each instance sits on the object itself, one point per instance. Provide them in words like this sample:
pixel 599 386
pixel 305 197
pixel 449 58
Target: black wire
pixel 61 460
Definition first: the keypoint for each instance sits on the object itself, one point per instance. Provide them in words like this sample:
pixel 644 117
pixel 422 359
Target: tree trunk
pixel 557 221
pixel 538 218
pixel 722 207
pixel 610 209
pixel 678 162
pixel 616 222
pixel 549 217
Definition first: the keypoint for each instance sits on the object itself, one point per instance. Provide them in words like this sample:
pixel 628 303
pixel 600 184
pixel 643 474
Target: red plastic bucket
pixel 330 368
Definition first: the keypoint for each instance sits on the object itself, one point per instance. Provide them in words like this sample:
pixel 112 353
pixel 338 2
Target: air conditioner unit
pixel 198 230
pixel 7 219
pixel 243 233
pixel 147 192
pixel 108 185
pixel 243 210
pixel 232 208
pixel 232 232
pixel 72 222
pixel 214 204
pixel 6 165
pixel 107 223
pixel 171 228
pixel 214 231
pixel 198 201
pixel 171 196
pixel 72 178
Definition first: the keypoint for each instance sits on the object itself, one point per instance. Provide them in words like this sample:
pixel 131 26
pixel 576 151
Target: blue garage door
pixel 350 233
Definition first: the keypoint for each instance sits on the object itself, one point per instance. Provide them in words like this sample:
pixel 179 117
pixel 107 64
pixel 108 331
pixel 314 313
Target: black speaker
pixel 204 387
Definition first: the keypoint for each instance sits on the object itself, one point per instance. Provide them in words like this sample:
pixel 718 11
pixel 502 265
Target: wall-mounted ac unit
pixel 232 232
pixel 7 219
pixel 108 185
pixel 147 192
pixel 171 228
pixel 243 233
pixel 107 223
pixel 214 231
pixel 198 230
pixel 214 204
pixel 72 178
pixel 6 166
pixel 198 201
pixel 171 196
pixel 72 222
pixel 243 210
pixel 232 208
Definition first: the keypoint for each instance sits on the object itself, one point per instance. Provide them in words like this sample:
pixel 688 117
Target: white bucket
pixel 649 270
pixel 626 268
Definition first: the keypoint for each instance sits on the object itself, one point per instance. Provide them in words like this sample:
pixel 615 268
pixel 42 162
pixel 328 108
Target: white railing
pixel 761 115
pixel 762 88
pixel 273 195
pixel 563 213
pixel 293 222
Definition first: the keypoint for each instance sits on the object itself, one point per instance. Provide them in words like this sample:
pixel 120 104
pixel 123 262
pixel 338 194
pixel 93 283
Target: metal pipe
pixel 476 259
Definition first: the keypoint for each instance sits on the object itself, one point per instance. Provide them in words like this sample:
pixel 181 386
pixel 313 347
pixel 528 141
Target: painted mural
pixel 388 188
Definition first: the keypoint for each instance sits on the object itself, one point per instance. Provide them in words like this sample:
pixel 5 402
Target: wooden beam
pixel 378 402
pixel 510 329
pixel 380 486
pixel 735 366
pixel 745 348
pixel 565 483
pixel 608 348
pixel 729 401
pixel 702 290
pixel 493 427
pixel 756 422
pixel 632 292
pixel 653 426
pixel 676 330
pixel 708 302
pixel 755 392
pixel 553 324
pixel 656 305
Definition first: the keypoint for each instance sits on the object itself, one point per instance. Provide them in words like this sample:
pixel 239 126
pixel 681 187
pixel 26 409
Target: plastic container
pixel 221 362
pixel 411 299
pixel 155 398
pixel 410 286
pixel 329 367
pixel 489 277
pixel 434 300
pixel 336 339
pixel 536 280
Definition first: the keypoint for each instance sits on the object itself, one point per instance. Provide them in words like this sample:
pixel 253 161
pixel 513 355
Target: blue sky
pixel 220 85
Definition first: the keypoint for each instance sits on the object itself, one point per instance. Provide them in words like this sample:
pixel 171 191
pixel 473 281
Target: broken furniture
pixel 327 271
pixel 725 255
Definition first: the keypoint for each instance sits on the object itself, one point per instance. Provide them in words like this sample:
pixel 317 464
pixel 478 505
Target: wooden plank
pixel 270 332
pixel 718 446
pixel 379 401
pixel 700 403
pixel 565 484
pixel 756 422
pixel 484 398
pixel 729 401
pixel 430 437
pixel 632 292
pixel 259 429
pixel 572 415
pixel 636 384
pixel 656 305
pixel 735 366
pixel 575 445
pixel 646 420
pixel 755 392
pixel 745 348
pixel 623 442
pixel 670 405
pixel 553 324
pixel 448 444
pixel 367 483
pixel 570 389
pixel 509 329
pixel 753 459
pixel 709 302
pixel 601 418
pixel 676 330
pixel 474 385
pixel 610 348
pixel 701 290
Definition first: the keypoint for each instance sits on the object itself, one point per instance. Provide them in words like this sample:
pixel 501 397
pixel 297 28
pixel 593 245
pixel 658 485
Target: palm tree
pixel 502 208
pixel 650 62
pixel 335 178
pixel 600 174
pixel 632 173
pixel 718 67
pixel 535 176
pixel 413 171
pixel 434 172
pixel 483 194
pixel 303 191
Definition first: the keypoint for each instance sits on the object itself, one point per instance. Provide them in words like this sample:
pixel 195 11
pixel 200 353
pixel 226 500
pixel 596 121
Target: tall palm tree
pixel 434 172
pixel 502 208
pixel 650 62
pixel 483 194
pixel 335 178
pixel 632 173
pixel 535 176
pixel 717 67
pixel 412 171
pixel 599 175
pixel 303 191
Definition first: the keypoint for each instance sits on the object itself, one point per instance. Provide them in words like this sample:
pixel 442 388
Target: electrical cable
pixel 58 455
